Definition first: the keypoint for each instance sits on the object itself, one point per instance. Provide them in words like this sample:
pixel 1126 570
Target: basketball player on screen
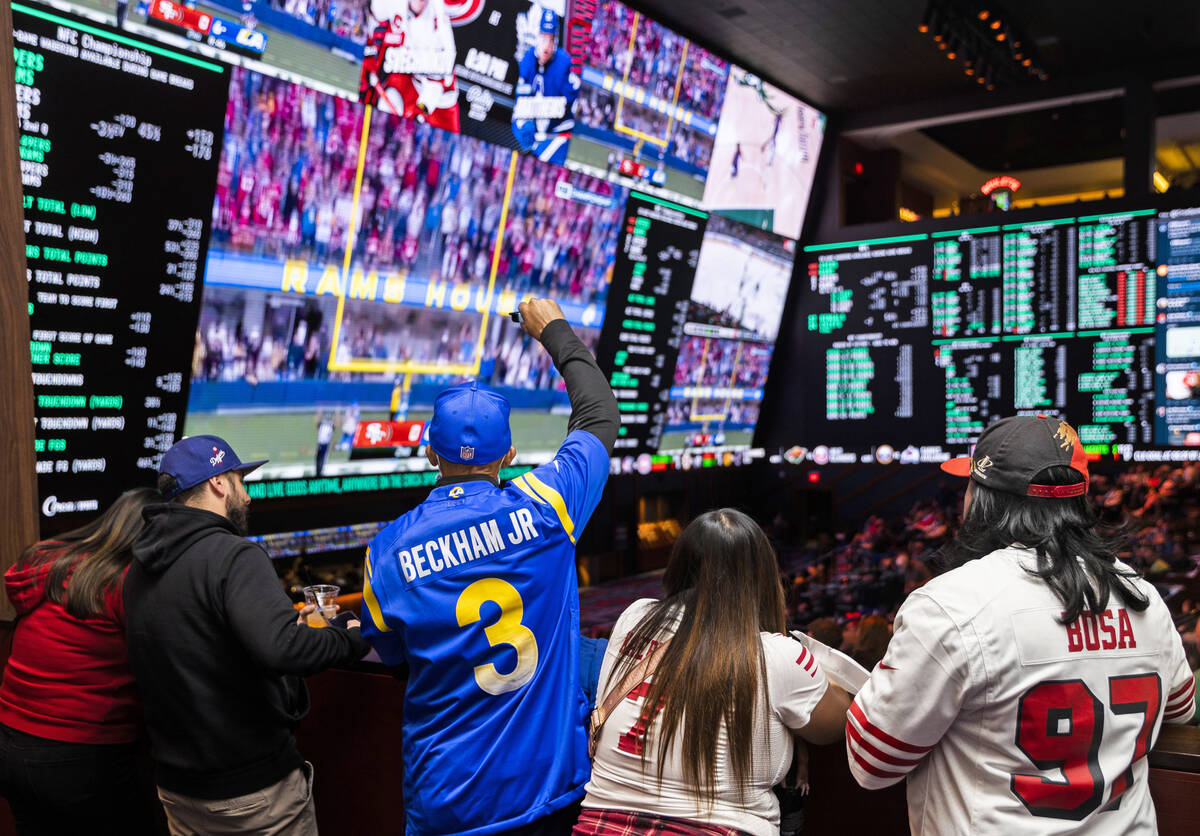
pixel 1022 690
pixel 408 62
pixel 769 145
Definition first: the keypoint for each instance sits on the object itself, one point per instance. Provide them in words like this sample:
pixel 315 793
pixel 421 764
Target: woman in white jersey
pixel 1022 689
pixel 731 691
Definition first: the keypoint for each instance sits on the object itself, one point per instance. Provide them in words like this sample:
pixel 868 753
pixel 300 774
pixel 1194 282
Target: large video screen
pixel 355 270
pixel 322 262
pixel 765 155
pixel 649 102
pixel 1095 319
pixel 733 317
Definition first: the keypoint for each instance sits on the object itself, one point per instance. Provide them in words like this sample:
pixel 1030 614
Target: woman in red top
pixel 69 711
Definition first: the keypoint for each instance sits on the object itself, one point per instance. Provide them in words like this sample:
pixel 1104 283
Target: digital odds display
pixel 115 260
pixel 921 341
pixel 293 227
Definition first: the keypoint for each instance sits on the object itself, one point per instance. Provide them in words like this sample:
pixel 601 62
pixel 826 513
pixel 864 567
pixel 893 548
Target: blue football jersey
pixel 475 590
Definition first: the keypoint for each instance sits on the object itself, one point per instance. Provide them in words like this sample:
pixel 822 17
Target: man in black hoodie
pixel 218 653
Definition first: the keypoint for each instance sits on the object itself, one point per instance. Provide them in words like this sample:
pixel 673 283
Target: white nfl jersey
pixel 621 780
pixel 1006 721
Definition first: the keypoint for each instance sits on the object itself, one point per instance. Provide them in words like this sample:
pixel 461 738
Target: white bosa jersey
pixel 1007 721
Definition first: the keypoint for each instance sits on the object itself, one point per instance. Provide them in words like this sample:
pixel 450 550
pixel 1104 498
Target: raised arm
pixel 593 405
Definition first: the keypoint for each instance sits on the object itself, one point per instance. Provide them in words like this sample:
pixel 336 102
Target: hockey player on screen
pixel 408 62
pixel 546 91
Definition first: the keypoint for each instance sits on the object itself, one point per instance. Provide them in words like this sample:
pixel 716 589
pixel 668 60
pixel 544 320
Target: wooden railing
pixel 352 736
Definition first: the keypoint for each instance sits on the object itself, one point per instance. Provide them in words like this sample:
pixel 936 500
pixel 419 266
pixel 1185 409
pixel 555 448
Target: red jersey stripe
pixel 1190 685
pixel 871 768
pixel 1171 718
pixel 883 736
pixel 1175 713
pixel 853 734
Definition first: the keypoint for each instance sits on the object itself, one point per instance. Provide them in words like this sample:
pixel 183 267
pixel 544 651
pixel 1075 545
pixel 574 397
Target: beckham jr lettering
pixel 465 545
pixel 1109 630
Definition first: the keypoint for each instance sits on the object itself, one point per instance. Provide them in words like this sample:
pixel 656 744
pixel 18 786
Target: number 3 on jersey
pixel 1060 726
pixel 508 630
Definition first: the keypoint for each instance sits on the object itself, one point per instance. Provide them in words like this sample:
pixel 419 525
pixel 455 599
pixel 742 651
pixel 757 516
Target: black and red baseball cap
pixel 1013 451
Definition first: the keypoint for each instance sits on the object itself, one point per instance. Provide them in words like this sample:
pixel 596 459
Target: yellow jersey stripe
pixel 372 602
pixel 556 502
pixel 520 483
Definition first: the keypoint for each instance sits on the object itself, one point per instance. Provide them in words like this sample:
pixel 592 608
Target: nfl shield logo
pixel 466 453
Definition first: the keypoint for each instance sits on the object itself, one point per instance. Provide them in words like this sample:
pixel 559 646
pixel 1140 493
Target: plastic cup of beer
pixel 324 598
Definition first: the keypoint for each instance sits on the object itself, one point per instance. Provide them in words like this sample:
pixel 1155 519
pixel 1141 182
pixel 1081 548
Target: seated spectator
pixel 873 636
pixel 850 632
pixel 719 695
pixel 69 712
pixel 827 632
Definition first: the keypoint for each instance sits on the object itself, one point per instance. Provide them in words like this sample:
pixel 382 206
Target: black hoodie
pixel 218 655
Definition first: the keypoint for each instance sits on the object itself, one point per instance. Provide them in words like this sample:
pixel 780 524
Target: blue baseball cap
pixel 549 22
pixel 470 424
pixel 199 457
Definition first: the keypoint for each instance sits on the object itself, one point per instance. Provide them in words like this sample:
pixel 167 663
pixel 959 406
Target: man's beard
pixel 239 515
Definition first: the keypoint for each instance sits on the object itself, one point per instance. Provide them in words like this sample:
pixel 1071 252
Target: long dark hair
pixel 1076 554
pixel 90 560
pixel 722 582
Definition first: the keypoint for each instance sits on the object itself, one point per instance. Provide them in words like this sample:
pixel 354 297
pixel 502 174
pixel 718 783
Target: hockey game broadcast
pixel 389 179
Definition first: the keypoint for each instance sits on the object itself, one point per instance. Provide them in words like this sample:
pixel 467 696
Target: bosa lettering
pixel 1109 630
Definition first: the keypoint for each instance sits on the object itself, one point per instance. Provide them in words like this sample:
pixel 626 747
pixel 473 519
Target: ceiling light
pixel 1161 184
pixel 1026 62
pixel 969 71
pixel 1000 36
pixel 926 19
pixel 996 24
pixel 983 14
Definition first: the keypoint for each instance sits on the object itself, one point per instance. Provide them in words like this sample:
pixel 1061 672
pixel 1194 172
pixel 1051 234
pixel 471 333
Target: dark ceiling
pixel 1078 133
pixel 853 55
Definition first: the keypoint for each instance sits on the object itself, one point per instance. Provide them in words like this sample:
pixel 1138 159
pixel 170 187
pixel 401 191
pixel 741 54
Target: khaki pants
pixel 282 809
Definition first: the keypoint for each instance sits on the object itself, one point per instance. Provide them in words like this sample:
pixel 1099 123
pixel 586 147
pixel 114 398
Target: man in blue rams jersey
pixel 543 112
pixel 474 590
